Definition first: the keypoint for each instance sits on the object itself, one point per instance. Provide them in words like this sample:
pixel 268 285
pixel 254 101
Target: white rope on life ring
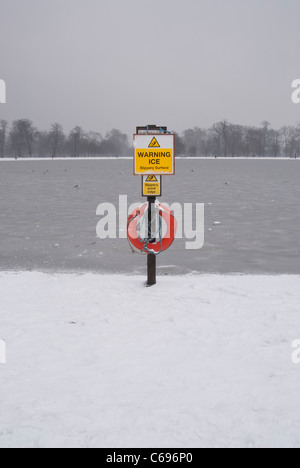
pixel 145 245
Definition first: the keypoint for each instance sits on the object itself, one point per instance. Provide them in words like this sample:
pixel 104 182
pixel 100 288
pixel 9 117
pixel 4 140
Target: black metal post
pixel 151 259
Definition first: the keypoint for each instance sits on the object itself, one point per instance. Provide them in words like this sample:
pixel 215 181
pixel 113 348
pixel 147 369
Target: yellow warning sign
pixel 151 186
pixel 151 178
pixel 154 143
pixel 160 161
pixel 154 155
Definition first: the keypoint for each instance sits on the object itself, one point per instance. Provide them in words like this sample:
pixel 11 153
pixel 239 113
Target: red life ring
pixel 141 246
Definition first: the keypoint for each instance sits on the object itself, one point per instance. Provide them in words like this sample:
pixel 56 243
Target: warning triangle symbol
pixel 151 178
pixel 154 143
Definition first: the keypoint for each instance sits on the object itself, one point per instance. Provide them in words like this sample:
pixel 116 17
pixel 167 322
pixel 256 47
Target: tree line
pixel 225 139
pixel 23 139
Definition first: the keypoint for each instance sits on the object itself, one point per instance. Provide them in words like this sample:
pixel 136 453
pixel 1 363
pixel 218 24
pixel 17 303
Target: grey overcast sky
pixel 105 64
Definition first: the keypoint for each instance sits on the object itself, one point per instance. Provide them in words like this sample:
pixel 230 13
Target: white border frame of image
pixel 151 134
pixel 2 351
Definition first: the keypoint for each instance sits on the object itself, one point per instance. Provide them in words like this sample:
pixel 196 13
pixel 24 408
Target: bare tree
pixel 195 141
pixel 235 138
pixel 30 134
pixel 274 143
pixel 222 130
pixel 23 136
pixel 17 143
pixel 93 143
pixel 289 136
pixel 265 133
pixel 56 139
pixel 3 132
pixel 115 143
pixel 253 141
pixel 42 144
pixel 180 146
pixel 75 137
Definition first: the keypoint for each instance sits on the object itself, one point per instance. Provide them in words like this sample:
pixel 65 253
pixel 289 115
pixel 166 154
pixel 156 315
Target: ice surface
pixel 48 223
pixel 101 361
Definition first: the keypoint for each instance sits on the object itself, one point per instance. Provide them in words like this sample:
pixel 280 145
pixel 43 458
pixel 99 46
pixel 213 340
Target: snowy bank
pixel 102 361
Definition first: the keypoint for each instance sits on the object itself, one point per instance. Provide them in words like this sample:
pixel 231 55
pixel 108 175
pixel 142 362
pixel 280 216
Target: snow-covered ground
pixel 101 361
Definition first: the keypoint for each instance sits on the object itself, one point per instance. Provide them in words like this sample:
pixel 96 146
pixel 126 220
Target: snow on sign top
pixel 154 154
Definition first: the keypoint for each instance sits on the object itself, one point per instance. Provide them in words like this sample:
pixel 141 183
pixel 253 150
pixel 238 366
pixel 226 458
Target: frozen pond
pixel 48 224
